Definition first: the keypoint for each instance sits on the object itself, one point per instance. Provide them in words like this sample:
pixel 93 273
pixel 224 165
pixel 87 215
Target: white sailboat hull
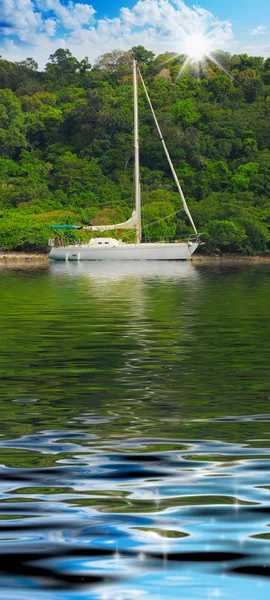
pixel 181 251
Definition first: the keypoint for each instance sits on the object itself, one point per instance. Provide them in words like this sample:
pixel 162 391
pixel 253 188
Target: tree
pixel 62 66
pixel 141 55
pixel 253 89
pixel 242 177
pixel 217 129
pixel 157 222
pixel 214 176
pixel 185 113
pixel 84 66
pixel 250 147
pixel 12 129
pixel 115 60
pixel 28 182
pixel 224 233
pixel 30 66
pixel 222 58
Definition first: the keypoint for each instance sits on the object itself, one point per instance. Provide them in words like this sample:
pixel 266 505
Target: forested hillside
pixel 66 151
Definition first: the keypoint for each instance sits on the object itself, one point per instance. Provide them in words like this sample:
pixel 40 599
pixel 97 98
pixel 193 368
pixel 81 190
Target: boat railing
pixel 195 237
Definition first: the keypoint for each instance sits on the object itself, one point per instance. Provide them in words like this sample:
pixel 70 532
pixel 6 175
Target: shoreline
pixel 22 256
pixel 210 259
pixel 199 259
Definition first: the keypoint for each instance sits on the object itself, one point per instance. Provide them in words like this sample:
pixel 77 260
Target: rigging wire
pixel 167 154
pixel 185 207
pixel 163 218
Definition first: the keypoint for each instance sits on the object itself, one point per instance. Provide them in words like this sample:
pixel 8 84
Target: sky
pixel 36 28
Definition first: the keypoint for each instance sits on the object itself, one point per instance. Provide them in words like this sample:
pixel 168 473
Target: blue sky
pixel 245 12
pixel 92 27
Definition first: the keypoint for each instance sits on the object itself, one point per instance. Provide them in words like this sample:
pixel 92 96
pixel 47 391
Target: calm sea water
pixel 134 435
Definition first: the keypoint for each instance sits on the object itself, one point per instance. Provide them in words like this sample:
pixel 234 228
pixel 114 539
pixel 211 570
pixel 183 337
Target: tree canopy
pixel 66 147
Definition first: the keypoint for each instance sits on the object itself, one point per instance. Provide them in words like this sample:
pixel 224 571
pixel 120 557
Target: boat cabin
pixel 107 242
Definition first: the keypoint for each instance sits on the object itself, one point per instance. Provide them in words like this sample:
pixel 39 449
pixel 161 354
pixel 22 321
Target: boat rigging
pixel 113 249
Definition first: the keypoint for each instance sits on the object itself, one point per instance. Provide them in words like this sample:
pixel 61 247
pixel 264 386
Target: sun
pixel 199 48
pixel 196 47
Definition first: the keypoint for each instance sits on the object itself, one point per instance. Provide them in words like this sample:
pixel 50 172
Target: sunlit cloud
pixel 38 27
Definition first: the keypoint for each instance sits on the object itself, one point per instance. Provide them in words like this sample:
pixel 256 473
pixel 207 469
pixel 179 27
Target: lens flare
pixel 197 47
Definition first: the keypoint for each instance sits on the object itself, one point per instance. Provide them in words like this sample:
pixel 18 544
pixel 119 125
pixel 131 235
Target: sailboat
pixel 110 248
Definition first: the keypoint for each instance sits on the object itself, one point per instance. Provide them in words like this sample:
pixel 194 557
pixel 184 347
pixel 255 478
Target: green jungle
pixel 66 148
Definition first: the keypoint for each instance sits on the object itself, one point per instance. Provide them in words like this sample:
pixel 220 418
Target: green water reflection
pixel 165 352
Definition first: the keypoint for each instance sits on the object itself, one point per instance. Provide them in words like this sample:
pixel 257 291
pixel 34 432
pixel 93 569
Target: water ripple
pixel 105 522
pixel 134 434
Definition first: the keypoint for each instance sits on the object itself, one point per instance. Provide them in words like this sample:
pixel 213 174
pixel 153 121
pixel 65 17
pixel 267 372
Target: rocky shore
pixel 216 259
pixel 9 256
pixel 200 259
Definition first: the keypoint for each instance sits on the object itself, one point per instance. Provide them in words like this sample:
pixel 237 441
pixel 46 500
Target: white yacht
pixel 101 248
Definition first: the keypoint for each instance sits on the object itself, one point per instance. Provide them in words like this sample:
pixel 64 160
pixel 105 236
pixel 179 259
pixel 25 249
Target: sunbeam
pixel 197 47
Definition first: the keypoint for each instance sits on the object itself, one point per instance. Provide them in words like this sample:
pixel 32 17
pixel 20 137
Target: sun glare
pixel 197 47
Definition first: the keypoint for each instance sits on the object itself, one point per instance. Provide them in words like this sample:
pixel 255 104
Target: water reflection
pixel 105 270
pixel 120 516
pixel 134 435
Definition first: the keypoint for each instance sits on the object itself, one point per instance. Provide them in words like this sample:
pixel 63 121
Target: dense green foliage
pixel 56 126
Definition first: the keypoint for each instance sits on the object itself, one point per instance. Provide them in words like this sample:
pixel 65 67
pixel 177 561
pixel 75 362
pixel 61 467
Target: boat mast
pixel 136 154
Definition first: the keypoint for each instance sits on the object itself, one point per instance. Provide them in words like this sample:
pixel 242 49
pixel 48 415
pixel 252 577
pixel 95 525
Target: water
pixel 134 437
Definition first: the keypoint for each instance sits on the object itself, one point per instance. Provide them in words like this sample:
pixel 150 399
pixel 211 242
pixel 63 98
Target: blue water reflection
pixel 127 523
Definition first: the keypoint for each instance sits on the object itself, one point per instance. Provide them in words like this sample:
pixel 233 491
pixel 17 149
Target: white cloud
pixel 258 49
pixel 50 26
pixel 39 27
pixel 260 30
pixel 26 19
pixel 73 15
pixel 22 19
